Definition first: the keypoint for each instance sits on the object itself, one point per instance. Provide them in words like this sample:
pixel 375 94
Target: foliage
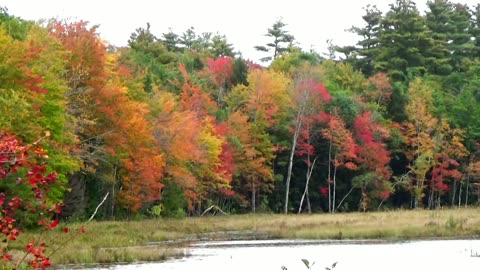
pixel 25 186
pixel 180 122
pixel 280 38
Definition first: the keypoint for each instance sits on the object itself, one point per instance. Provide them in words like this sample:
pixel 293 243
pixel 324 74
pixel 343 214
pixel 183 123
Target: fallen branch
pixel 74 235
pixel 212 207
pixel 98 206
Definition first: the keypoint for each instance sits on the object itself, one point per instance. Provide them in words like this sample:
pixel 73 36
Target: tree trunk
pixel 113 191
pixel 412 202
pixel 309 206
pixel 290 160
pixel 307 181
pixel 431 198
pixel 74 200
pixel 344 197
pixel 466 190
pixel 329 175
pixel 460 195
pixel 454 192
pixel 334 186
pixel 438 204
pixel 253 196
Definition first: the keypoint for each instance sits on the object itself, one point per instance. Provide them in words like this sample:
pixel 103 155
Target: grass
pixel 154 240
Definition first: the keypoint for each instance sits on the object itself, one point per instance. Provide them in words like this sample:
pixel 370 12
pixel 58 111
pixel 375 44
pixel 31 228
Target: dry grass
pixel 153 240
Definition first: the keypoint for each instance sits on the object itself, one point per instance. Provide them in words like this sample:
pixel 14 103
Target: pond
pixel 371 255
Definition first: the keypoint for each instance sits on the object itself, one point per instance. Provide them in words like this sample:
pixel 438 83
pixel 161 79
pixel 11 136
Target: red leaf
pixel 54 223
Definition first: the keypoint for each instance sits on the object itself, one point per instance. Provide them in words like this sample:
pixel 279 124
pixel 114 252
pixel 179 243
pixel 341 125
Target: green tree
pixel 363 56
pixel 187 38
pixel 171 41
pixel 281 42
pixel 475 31
pixel 450 25
pixel 220 47
pixel 439 20
pixel 17 28
pixel 143 41
pixel 405 42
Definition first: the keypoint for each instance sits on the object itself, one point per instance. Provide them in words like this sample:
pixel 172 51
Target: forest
pixel 177 123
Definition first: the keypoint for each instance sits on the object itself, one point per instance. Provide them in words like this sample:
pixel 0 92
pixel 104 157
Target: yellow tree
pixel 432 144
pixel 264 102
pixel 449 149
pixel 32 97
pixel 419 132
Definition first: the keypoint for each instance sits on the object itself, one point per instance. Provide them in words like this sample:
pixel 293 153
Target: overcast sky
pixel 243 22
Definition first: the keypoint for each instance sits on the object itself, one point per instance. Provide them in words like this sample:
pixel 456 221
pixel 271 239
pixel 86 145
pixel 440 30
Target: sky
pixel 244 23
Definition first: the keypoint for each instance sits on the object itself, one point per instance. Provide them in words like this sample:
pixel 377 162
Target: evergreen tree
pixel 438 19
pixel 144 42
pixel 362 56
pixel 460 43
pixel 171 41
pixel 220 46
pixel 475 32
pixel 405 42
pixel 282 40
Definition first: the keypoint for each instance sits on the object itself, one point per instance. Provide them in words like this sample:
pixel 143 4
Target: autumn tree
pixel 221 70
pixel 433 144
pixel 419 132
pixel 449 149
pixel 473 176
pixel 25 184
pixel 372 158
pixel 309 96
pixel 177 133
pixel 129 140
pixel 341 153
pixel 32 96
pixel 193 142
pixel 264 102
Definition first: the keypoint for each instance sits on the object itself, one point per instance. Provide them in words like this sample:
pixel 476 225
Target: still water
pixel 371 255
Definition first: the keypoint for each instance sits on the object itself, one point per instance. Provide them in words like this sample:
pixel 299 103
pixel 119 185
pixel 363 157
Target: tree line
pixel 172 125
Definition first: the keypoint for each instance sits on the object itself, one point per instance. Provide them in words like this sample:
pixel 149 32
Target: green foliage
pixel 240 72
pixel 292 59
pixel 363 56
pixel 173 203
pixel 281 42
pixel 142 40
pixel 156 210
pixel 15 27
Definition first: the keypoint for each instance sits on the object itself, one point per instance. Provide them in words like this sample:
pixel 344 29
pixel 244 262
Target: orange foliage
pixel 194 99
pixel 86 59
pixel 128 136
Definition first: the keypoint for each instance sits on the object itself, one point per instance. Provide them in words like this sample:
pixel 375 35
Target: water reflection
pixel 371 255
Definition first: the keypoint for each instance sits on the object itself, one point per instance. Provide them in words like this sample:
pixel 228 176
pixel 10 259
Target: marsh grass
pixel 153 240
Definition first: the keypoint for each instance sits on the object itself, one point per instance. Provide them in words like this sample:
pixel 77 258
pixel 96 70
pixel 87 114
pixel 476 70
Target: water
pixel 371 255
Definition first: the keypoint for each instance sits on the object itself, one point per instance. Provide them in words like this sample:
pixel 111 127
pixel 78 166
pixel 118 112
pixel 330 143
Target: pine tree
pixel 363 55
pixel 405 42
pixel 281 37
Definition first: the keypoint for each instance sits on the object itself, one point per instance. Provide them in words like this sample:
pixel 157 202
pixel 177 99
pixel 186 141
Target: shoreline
pixel 114 242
